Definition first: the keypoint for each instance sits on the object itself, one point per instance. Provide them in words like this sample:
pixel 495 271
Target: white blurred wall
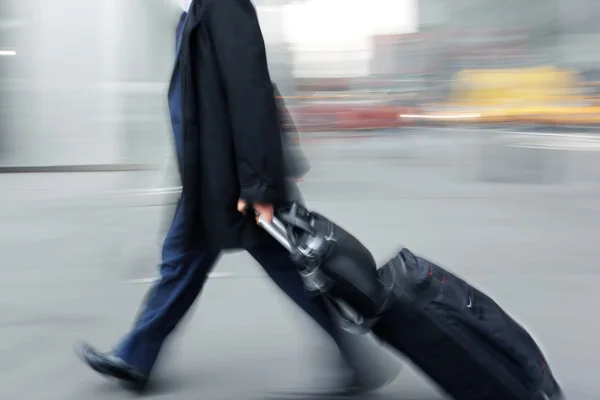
pixel 65 51
pixel 81 60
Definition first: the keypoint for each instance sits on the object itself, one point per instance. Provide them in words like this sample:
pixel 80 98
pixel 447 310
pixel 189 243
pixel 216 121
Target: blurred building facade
pixel 563 32
pixel 85 82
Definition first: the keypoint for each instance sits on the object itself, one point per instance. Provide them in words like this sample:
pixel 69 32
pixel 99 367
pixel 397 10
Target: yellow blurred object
pixel 543 94
pixel 502 86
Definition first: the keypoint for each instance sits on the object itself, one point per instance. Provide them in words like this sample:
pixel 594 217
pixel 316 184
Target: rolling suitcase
pixel 454 333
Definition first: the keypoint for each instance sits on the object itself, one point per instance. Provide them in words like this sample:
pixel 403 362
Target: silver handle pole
pixel 279 225
pixel 277 230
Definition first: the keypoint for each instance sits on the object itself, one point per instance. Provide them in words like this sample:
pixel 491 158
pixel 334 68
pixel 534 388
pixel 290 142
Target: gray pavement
pixel 77 249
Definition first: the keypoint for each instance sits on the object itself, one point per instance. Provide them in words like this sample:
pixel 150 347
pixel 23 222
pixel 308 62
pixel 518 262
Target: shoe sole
pixel 113 370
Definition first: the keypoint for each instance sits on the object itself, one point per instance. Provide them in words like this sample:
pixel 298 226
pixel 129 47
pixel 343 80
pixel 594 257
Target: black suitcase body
pixel 455 334
pixel 460 337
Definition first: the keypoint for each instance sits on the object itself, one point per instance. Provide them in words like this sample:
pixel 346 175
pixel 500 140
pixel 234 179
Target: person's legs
pixel 183 274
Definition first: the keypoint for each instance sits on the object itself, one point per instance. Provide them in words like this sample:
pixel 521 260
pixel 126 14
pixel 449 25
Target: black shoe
pixel 112 366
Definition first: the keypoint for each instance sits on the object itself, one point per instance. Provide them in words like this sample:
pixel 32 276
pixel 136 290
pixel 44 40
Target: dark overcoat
pixel 233 146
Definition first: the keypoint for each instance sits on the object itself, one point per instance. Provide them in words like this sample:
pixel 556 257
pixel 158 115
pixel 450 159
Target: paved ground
pixel 74 253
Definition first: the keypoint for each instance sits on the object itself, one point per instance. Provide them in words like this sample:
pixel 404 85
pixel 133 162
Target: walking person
pixel 228 141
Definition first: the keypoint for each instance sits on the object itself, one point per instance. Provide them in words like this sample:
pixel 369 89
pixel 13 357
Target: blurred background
pixel 466 130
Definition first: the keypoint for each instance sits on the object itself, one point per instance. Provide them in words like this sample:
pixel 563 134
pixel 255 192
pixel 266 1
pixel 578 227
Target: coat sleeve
pixel 239 46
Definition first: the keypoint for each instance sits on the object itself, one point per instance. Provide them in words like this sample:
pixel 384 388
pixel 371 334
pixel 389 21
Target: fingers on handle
pixel 242 206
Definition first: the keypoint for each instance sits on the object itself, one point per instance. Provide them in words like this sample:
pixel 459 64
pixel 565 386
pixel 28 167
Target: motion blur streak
pixel 466 130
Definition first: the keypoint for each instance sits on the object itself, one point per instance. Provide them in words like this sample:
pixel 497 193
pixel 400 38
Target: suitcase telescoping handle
pixel 277 230
pixel 285 220
pixel 315 280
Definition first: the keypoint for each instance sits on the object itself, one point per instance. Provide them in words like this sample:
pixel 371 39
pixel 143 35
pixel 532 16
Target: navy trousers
pixel 171 297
